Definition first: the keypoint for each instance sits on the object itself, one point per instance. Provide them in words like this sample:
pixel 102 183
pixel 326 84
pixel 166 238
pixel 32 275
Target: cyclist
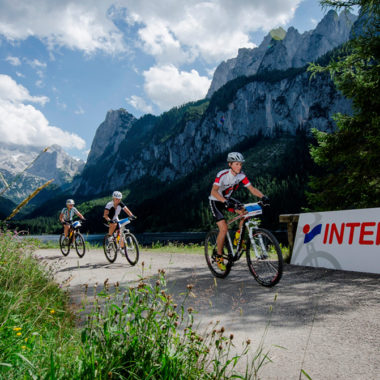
pixel 112 211
pixel 67 214
pixel 226 182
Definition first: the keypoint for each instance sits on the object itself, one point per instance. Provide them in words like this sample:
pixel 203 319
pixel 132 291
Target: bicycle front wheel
pixel 64 244
pixel 131 248
pixel 264 257
pixel 110 248
pixel 80 246
pixel 212 257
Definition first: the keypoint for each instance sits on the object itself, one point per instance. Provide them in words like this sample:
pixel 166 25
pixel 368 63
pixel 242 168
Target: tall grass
pixel 36 326
pixel 134 333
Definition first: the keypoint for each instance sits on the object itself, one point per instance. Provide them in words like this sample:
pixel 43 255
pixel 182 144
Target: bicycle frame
pixel 250 223
pixel 122 227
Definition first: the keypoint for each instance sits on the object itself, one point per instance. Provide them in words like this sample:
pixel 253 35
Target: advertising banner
pixel 348 240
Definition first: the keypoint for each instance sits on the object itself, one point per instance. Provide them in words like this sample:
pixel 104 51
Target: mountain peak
pixel 282 50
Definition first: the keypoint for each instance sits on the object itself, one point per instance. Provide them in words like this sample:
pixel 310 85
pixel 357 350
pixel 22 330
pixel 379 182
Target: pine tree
pixel 350 156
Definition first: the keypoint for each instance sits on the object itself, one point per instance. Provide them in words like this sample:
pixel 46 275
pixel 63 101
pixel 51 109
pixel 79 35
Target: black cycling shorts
pixel 218 207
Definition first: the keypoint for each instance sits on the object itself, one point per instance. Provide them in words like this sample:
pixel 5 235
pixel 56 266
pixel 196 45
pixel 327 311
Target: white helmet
pixel 117 195
pixel 235 157
pixel 70 202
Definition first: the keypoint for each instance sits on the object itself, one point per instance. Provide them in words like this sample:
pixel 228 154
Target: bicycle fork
pixel 251 226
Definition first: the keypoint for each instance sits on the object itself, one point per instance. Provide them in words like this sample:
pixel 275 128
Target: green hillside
pixel 278 166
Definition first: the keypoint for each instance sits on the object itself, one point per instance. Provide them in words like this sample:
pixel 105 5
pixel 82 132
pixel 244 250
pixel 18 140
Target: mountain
pixel 26 168
pixel 261 91
pixel 292 51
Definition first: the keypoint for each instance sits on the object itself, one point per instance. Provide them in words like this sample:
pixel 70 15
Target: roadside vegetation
pixel 134 333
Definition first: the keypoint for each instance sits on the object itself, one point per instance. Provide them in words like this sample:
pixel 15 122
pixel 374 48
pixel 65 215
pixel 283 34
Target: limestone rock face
pixel 295 50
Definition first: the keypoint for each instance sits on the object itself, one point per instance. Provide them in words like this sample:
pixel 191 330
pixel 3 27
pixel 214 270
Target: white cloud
pixel 79 111
pixel 23 124
pixel 214 30
pixel 139 103
pixel 35 63
pixel 83 25
pixel 14 61
pixel 168 87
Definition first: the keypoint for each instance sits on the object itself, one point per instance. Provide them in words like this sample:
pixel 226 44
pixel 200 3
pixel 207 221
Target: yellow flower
pixel 23 347
pixel 16 328
pixel 52 311
pixel 26 339
pixel 18 334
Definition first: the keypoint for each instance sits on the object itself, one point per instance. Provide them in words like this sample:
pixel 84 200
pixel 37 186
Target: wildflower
pixel 23 347
pixel 52 311
pixel 248 342
pixel 190 310
pixel 16 328
pixel 231 336
pixel 18 334
pixel 26 339
pixel 190 286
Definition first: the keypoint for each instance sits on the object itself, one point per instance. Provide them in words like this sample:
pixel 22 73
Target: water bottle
pixel 237 236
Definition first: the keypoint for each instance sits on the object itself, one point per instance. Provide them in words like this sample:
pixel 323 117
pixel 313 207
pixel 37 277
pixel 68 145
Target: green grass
pixel 137 333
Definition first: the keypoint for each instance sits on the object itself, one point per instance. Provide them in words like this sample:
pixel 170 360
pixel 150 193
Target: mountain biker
pixel 112 211
pixel 67 214
pixel 226 182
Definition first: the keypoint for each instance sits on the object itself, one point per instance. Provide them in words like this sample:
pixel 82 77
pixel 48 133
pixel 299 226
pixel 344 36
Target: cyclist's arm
pixel 61 218
pixel 255 191
pixel 105 215
pixel 215 193
pixel 127 210
pixel 79 214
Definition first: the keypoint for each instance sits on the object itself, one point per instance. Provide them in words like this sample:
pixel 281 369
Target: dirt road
pixel 327 322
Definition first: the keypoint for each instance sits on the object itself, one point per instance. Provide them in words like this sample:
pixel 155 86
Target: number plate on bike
pixel 253 209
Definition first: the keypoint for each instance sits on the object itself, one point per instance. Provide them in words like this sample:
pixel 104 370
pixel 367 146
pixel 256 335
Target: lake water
pixel 148 238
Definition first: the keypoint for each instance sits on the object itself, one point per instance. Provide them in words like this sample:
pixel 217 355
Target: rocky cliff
pixel 294 50
pixel 262 91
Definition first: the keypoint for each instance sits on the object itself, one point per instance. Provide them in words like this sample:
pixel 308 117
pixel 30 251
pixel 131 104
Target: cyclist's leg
pixel 66 228
pixel 112 228
pixel 223 229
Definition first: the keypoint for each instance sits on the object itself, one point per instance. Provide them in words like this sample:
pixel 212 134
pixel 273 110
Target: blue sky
pixel 64 64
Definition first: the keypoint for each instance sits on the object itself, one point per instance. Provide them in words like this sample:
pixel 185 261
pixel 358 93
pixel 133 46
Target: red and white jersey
pixel 228 183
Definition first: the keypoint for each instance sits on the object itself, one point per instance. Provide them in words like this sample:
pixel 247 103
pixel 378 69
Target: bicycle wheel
pixel 264 257
pixel 131 248
pixel 211 254
pixel 110 248
pixel 64 245
pixel 80 245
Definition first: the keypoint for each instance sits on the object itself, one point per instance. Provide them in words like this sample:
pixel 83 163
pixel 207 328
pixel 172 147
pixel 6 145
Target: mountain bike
pixel 112 244
pixel 74 238
pixel 263 252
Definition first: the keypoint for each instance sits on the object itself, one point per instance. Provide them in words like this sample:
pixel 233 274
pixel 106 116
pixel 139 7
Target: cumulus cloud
pixel 139 103
pixel 214 30
pixel 84 25
pixel 167 86
pixel 23 124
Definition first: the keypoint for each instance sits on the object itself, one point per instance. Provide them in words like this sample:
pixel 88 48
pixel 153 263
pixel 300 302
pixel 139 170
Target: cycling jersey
pixel 113 213
pixel 228 183
pixel 69 214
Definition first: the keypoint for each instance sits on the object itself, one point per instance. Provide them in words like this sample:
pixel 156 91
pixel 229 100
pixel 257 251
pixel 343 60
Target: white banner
pixel 348 240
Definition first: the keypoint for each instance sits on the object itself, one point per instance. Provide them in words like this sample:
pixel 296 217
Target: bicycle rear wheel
pixel 110 248
pixel 211 254
pixel 64 245
pixel 264 257
pixel 131 248
pixel 80 245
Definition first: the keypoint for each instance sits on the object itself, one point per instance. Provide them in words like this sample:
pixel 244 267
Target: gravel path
pixel 323 321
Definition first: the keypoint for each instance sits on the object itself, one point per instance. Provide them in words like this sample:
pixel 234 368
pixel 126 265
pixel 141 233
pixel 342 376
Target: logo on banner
pixel 365 233
pixel 310 235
